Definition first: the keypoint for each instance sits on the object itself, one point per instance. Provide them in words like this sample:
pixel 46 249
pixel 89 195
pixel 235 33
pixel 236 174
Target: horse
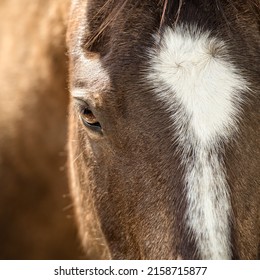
pixel 164 127
pixel 36 218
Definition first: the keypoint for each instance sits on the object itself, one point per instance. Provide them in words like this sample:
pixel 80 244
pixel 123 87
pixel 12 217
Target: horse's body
pixel 33 72
pixel 164 127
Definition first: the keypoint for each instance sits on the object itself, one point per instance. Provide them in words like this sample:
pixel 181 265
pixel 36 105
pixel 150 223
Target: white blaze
pixel 194 77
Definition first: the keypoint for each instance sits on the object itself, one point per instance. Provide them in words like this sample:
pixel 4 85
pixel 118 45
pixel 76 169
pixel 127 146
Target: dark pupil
pixel 87 112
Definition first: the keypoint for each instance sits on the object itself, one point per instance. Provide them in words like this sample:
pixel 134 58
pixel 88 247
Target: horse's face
pixel 125 164
pixel 130 130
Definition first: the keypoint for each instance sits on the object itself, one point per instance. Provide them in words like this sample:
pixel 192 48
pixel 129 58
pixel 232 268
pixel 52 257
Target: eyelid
pixel 83 96
pixel 80 102
pixel 83 103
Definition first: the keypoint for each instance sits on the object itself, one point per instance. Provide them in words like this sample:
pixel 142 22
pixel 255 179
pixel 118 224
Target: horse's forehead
pixel 88 18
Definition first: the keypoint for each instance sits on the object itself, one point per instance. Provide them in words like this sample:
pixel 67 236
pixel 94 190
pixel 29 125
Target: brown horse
pixel 164 127
pixel 33 190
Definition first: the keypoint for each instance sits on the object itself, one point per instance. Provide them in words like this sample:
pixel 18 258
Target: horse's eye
pixel 89 119
pixel 87 116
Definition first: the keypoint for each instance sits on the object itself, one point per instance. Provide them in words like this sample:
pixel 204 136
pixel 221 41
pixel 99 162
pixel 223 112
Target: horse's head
pixel 157 91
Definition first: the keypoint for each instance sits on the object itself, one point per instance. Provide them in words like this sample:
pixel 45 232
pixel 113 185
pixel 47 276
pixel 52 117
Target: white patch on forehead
pixel 192 74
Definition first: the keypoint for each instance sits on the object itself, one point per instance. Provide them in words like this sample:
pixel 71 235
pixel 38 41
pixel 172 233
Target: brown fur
pixel 138 216
pixel 35 216
pixel 128 183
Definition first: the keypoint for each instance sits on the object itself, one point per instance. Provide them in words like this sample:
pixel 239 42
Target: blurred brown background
pixel 36 216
